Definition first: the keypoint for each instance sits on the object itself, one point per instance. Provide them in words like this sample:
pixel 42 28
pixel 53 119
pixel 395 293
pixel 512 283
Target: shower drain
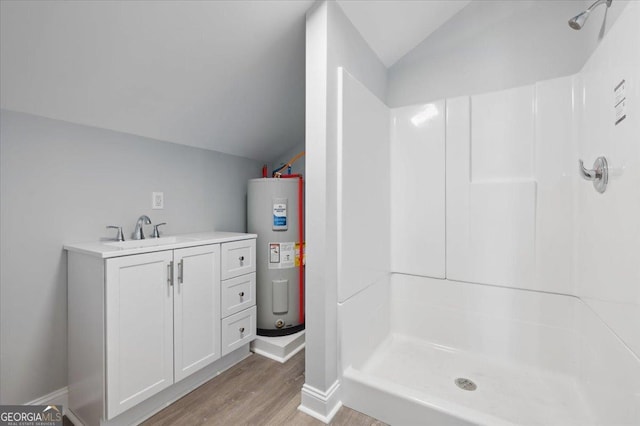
pixel 465 384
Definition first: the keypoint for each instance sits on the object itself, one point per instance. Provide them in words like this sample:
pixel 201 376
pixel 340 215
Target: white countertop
pixel 106 249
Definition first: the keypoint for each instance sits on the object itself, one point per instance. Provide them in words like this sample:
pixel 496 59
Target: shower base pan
pixel 459 353
pixel 424 375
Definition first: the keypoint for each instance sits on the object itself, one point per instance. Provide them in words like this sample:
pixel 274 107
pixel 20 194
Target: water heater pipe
pixel 277 172
pixel 301 238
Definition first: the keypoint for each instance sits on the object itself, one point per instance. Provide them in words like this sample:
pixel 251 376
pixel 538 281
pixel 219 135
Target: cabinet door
pixel 139 329
pixel 196 308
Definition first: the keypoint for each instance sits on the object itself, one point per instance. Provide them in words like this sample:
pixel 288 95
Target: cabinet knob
pixel 241 329
pixel 241 258
pixel 241 294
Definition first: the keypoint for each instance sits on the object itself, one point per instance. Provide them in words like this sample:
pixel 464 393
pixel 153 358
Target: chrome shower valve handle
pixel 599 174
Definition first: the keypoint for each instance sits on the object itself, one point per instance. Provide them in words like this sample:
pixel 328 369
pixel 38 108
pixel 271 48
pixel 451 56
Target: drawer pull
pixel 170 273
pixel 241 294
pixel 241 329
pixel 241 258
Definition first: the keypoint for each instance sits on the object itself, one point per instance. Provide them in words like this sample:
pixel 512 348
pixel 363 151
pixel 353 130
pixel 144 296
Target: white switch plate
pixel 157 200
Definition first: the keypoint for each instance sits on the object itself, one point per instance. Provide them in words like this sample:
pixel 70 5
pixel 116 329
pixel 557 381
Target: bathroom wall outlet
pixel 157 200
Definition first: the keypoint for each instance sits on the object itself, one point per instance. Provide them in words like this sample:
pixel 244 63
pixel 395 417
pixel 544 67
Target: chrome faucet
pixel 142 220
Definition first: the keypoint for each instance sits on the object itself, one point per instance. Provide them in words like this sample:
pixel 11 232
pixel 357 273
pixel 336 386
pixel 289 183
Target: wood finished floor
pixel 256 391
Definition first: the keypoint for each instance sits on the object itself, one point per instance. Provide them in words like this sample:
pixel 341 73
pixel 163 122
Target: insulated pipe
pixel 301 237
pixel 278 173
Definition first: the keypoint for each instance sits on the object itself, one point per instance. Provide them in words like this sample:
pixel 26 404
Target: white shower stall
pixel 469 247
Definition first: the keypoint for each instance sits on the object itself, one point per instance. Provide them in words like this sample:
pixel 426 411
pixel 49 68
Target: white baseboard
pixel 320 405
pixel 281 360
pixel 58 397
pixel 280 348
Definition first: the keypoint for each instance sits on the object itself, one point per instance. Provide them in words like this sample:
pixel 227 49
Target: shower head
pixel 578 21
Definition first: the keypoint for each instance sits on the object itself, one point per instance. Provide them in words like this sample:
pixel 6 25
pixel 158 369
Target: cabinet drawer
pixel 238 258
pixel 238 294
pixel 238 329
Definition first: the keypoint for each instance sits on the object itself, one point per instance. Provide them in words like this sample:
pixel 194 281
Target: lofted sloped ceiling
pixel 393 27
pixel 221 75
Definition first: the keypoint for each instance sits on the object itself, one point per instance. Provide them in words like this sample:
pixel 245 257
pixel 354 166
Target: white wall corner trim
pixel 57 397
pixel 321 405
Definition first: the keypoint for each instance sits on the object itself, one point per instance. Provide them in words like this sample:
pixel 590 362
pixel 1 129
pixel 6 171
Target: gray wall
pixel 62 182
pixel 494 45
pixel 346 48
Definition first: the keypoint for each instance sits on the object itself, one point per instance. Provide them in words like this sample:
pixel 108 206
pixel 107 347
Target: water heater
pixel 273 213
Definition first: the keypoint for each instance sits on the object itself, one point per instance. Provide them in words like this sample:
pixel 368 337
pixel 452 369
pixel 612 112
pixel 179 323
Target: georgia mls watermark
pixel 30 415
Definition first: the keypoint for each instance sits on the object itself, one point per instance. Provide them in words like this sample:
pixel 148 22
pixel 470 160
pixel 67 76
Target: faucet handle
pixel 120 236
pixel 156 232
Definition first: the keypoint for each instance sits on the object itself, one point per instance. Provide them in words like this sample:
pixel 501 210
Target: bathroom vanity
pixel 150 320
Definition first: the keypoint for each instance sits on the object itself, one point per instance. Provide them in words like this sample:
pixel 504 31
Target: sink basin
pixel 149 242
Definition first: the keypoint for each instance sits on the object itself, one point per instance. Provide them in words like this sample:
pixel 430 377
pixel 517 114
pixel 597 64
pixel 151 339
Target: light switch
pixel 157 200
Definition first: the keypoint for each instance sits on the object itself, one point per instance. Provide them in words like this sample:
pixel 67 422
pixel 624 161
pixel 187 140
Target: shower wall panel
pixel 556 179
pixel 363 188
pixel 418 190
pixel 502 136
pixel 608 232
pixel 364 323
pixel 491 197
pixel 510 208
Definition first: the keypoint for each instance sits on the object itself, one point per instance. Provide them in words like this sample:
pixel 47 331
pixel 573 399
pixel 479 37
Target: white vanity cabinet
pixel 196 308
pixel 145 323
pixel 162 321
pixel 139 328
pixel 238 302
